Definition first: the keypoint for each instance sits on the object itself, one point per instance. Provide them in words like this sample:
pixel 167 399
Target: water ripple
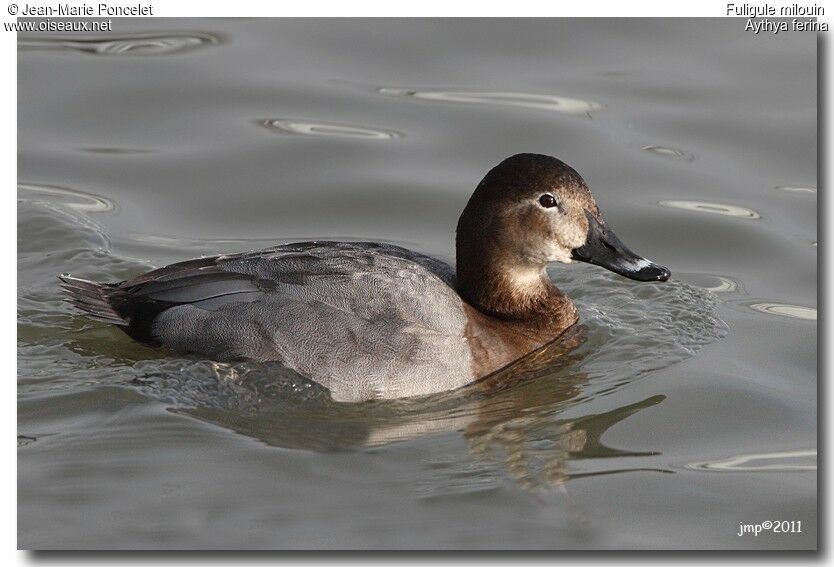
pixel 72 198
pixel 786 310
pixel 23 440
pixel 714 208
pixel 794 189
pixel 637 329
pixel 666 152
pixel 713 282
pixel 329 129
pixel 527 100
pixel 114 151
pixel 786 461
pixel 128 44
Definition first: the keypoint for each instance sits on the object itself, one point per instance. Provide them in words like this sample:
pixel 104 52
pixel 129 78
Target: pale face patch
pixel 544 226
pixel 537 235
pixel 555 252
pixel 565 230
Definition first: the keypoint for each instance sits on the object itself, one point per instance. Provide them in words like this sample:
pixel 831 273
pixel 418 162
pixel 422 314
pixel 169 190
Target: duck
pixel 371 320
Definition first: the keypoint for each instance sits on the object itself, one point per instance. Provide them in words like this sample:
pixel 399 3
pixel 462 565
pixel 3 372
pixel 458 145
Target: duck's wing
pixel 363 320
pixel 342 275
pixel 135 304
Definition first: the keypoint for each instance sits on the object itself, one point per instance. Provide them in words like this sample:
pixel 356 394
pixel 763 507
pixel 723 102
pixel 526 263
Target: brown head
pixel 528 211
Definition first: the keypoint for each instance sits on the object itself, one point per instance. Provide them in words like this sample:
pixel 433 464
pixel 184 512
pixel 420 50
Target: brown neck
pixel 523 294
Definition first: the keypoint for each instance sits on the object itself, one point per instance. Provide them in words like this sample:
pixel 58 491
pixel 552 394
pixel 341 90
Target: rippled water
pixel 123 44
pixel 676 412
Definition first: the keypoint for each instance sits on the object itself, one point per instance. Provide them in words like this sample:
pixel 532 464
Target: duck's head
pixel 533 209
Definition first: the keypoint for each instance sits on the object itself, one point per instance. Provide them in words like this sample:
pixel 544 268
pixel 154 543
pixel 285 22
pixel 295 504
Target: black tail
pixel 92 298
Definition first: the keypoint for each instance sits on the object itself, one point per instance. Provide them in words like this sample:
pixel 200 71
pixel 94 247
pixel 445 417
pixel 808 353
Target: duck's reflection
pixel 539 449
pixel 513 416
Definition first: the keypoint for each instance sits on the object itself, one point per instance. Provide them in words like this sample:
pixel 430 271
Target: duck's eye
pixel 547 201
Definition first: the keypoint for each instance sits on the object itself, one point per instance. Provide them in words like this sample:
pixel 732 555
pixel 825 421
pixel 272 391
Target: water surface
pixel 688 408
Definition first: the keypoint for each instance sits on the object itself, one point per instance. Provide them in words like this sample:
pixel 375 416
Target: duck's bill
pixel 604 249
